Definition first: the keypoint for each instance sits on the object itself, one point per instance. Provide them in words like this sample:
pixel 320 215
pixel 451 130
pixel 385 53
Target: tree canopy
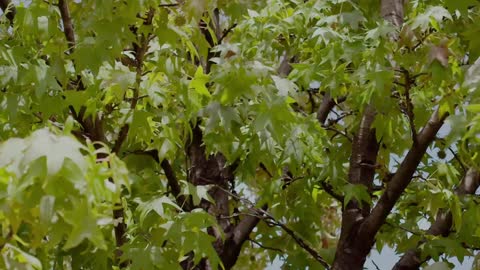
pixel 226 134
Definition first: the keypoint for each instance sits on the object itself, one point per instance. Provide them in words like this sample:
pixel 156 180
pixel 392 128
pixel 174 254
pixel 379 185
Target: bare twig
pixel 267 217
pixel 403 228
pixel 169 5
pixel 339 132
pixel 265 247
pixel 226 32
pixel 140 51
pixel 455 156
pixel 329 189
pixel 299 241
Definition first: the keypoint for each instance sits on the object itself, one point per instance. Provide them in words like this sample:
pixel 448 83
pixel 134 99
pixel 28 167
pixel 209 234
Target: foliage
pixel 168 135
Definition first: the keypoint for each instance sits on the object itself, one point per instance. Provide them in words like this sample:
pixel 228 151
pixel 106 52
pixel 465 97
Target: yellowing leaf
pixel 199 81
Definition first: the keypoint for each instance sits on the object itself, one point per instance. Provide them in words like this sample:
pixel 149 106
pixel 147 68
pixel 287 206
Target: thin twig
pixel 331 122
pixel 329 190
pixel 139 58
pixel 376 266
pixel 455 156
pixel 267 217
pixel 403 228
pixel 338 132
pixel 226 32
pixel 169 5
pixel 265 247
pixel 420 42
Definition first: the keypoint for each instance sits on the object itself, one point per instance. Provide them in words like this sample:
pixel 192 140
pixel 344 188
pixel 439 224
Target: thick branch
pixel 402 177
pixel 412 258
pixel 350 251
pixel 326 106
pixel 241 232
pixel 359 225
pixel 392 11
pixel 67 24
pixel 269 219
pixel 8 8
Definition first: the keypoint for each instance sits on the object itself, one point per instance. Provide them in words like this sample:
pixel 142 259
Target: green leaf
pixel 357 192
pixel 156 205
pixel 438 266
pixel 199 81
pixel 55 148
pixel 84 226
pixel 284 86
pixel 16 258
pixel 197 192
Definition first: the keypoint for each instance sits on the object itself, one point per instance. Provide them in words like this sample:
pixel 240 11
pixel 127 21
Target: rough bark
pixel 402 177
pixel 359 225
pixel 392 11
pixel 214 170
pixel 412 259
pixel 351 253
pixel 67 24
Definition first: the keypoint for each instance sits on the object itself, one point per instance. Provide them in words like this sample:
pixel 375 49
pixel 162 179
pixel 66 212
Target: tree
pixel 224 134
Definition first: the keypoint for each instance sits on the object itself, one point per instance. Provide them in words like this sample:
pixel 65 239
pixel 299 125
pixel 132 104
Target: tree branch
pixel 329 190
pixel 140 51
pixel 365 147
pixel 226 32
pixel 392 11
pixel 269 219
pixel 409 106
pixel 413 258
pixel 122 135
pixel 67 24
pixel 9 9
pixel 326 106
pixel 169 5
pixel 401 178
pixel 265 247
pixel 240 234
pixel 300 242
pixel 171 178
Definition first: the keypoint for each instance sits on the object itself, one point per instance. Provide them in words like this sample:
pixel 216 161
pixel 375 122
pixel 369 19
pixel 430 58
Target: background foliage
pixel 91 121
